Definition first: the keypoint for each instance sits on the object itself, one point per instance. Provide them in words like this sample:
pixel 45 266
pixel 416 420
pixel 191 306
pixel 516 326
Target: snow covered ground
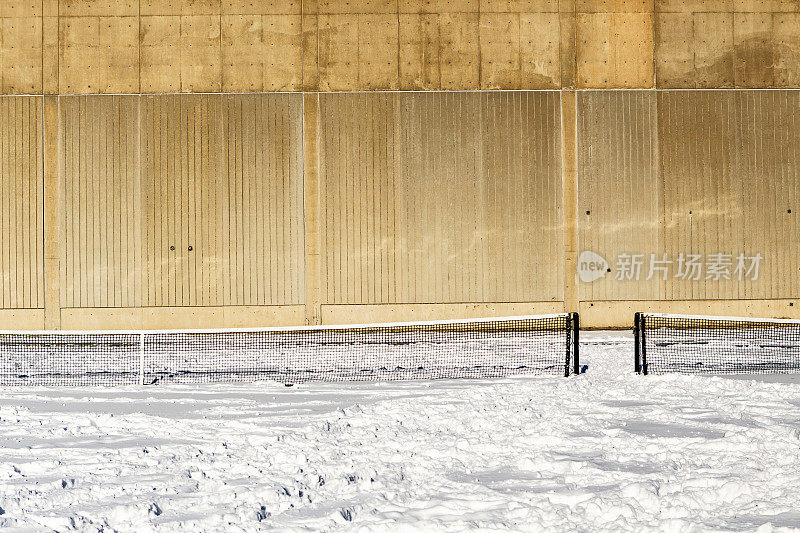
pixel 608 450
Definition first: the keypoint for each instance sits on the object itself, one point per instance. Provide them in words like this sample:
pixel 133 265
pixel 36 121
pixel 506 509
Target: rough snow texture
pixel 608 450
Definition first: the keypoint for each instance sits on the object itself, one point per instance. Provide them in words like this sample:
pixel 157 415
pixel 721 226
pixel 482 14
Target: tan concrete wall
pixel 357 206
pixel 364 206
pixel 153 46
pixel 201 210
pixel 425 204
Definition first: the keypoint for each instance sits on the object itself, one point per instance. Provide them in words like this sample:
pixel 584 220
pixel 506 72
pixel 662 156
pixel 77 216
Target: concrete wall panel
pixel 333 45
pixel 714 50
pixel 180 53
pixel 338 52
pixel 439 51
pixel 261 53
pixel 273 7
pixel 615 50
pixel 703 173
pixel 97 8
pixel 181 201
pixel 222 205
pixel 100 258
pixel 786 27
pixel 618 187
pixel 432 198
pixel 754 50
pixel 378 52
pixel 21 204
pixel 674 50
pixel 420 51
pixel 20 54
pixel 21 8
pixel 178 7
pixel 98 55
pixel 520 50
pixel 500 51
pixel 438 6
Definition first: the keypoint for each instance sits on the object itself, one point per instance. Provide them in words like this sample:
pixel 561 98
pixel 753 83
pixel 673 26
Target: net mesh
pixel 462 349
pixel 676 343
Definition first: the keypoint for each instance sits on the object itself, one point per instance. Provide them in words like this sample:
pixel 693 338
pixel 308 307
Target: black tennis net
pixel 417 350
pixel 707 344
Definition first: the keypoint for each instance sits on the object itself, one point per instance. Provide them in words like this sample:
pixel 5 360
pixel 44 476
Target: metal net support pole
pixel 141 359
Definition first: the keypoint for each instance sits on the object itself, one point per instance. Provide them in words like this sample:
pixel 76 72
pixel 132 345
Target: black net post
pixel 568 334
pixel 576 343
pixel 637 357
pixel 643 349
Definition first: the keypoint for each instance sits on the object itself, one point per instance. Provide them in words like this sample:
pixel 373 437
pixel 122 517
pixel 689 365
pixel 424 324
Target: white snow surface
pixel 605 451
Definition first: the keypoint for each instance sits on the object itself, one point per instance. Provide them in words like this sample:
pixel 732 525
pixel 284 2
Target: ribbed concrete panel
pixel 263 182
pixel 184 201
pixel 181 200
pixel 21 204
pixel 448 197
pixel 768 164
pixel 618 189
pixel 223 205
pixel 703 196
pixel 100 202
pixel 706 176
pixel 731 177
